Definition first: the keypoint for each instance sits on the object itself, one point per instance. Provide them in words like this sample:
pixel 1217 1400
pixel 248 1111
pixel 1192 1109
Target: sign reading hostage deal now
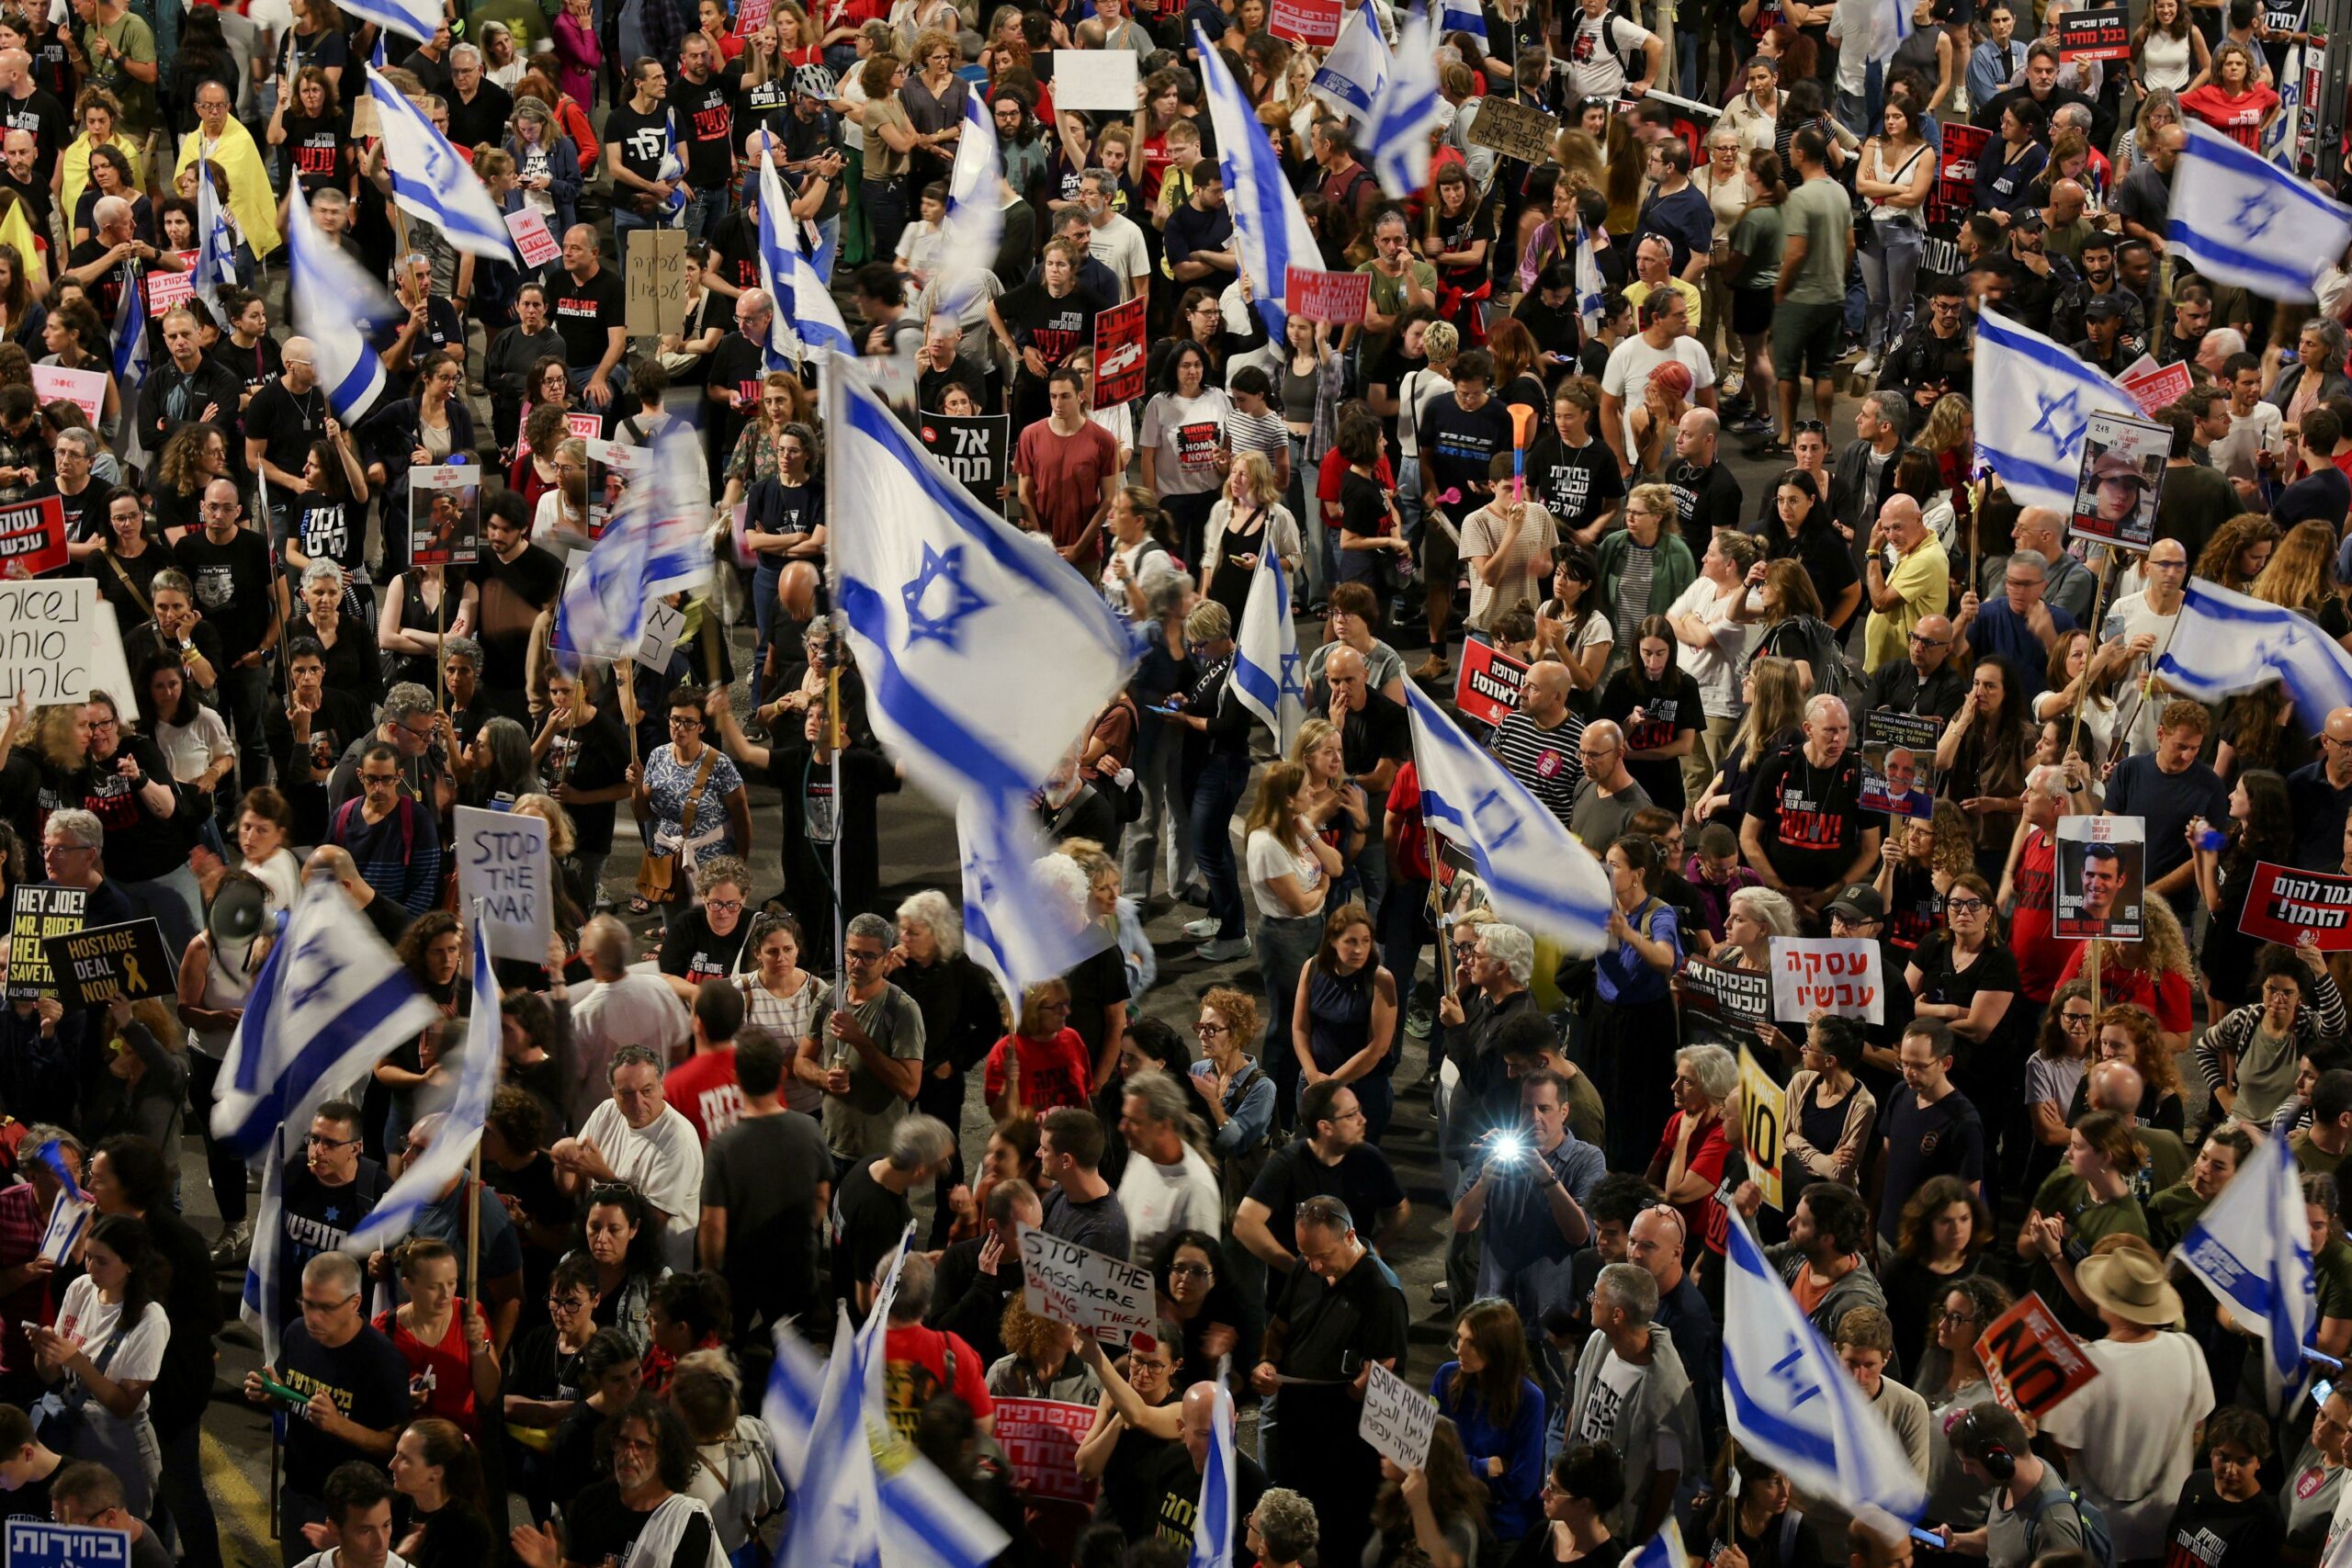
pixel 2282 903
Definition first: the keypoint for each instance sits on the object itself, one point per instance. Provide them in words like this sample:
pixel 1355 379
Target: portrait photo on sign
pixel 2121 478
pixel 2101 879
pixel 1899 763
pixel 445 515
pixel 612 468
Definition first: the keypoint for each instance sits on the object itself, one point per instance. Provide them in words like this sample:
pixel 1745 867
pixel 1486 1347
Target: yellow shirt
pixel 1637 292
pixel 249 194
pixel 1924 579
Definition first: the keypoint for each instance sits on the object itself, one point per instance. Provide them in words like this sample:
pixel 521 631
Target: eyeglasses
pixel 1209 1030
pixel 1930 641
pixel 1190 1271
pixel 1963 905
pixel 612 1193
pixel 386 779
pixel 1948 1316
pixel 2075 1019
pixel 724 905
pixel 107 723
pixel 682 721
pixel 320 1141
pixel 861 959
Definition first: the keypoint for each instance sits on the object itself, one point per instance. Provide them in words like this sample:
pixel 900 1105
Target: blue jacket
pixel 563 169
pixel 1512 1495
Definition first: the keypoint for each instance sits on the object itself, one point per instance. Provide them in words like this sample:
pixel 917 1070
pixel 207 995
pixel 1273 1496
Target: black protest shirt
pixel 1707 499
pixel 1665 714
pixel 232 583
pixel 586 312
pixel 1053 327
pixel 694 952
pixel 643 138
pixel 705 114
pixel 1574 484
pixel 332 530
pixel 592 757
pixel 1811 817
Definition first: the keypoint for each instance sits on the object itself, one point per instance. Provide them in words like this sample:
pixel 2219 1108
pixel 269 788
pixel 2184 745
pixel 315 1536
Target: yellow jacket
pixel 76 162
pixel 249 194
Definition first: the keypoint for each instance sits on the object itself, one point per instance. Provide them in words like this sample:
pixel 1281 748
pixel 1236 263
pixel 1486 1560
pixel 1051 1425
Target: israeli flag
pixel 1538 874
pixel 1213 1521
pixel 836 1516
pixel 2034 400
pixel 985 655
pixel 424 1180
pixel 1462 16
pixel 2245 221
pixel 411 19
pixel 974 225
pixel 806 319
pixel 1591 287
pixel 1405 112
pixel 133 352
pixel 216 252
pixel 2225 643
pixel 1663 1549
pixel 654 545
pixel 431 182
pixel 1019 926
pixel 1268 228
pixel 1795 1405
pixel 1265 662
pixel 2252 1248
pixel 1354 74
pixel 336 304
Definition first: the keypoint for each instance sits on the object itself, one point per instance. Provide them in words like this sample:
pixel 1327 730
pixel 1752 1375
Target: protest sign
pixel 750 16
pixel 976 450
pixel 126 963
pixel 2123 475
pixel 1041 1438
pixel 1397 1418
pixel 1722 1007
pixel 2100 880
pixel 2030 1359
pixel 166 289
pixel 1762 1104
pixel 1119 355
pixel 1953 196
pixel 2152 386
pixel 2282 903
pixel 1487 690
pixel 85 389
pixel 1096 79
pixel 1338 297
pixel 1108 1297
pixel 2093 34
pixel 38 912
pixel 664 624
pixel 1840 976
pixel 48 652
pixel 1899 762
pixel 585 425
pixel 1314 23
pixel 612 467
pixel 32 537
pixel 503 862
pixel 37 1543
pixel 444 514
pixel 109 670
pixel 1513 129
pixel 533 241
pixel 657 281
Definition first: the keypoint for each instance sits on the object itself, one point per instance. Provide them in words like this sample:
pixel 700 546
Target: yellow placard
pixel 1760 1108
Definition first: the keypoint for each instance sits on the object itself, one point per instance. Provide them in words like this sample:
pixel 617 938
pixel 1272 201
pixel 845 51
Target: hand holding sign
pixel 1397 1418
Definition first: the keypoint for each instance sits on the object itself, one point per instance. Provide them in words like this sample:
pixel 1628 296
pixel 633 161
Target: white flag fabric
pixel 216 254
pixel 1793 1403
pixel 1270 228
pixel 2225 643
pixel 1266 671
pixel 1354 74
pixel 975 225
pixel 1214 1521
pixel 335 304
pixel 431 182
pixel 1536 872
pixel 1405 112
pixel 806 319
pixel 985 656
pixel 2252 1248
pixel 654 545
pixel 1664 1550
pixel 1017 924
pixel 410 19
pixel 2033 400
pixel 2247 222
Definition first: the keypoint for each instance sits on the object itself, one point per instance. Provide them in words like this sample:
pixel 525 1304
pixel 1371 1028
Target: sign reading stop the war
pixel 503 862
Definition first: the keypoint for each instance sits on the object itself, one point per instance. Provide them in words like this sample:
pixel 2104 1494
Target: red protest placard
pixel 1950 198
pixel 1312 22
pixel 166 289
pixel 587 426
pixel 2157 388
pixel 1489 689
pixel 1041 1438
pixel 2282 903
pixel 1338 297
pixel 32 537
pixel 533 240
pixel 2030 1359
pixel 1119 355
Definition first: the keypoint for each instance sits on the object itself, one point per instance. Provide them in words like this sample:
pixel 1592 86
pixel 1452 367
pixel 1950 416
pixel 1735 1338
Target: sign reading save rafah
pixel 126 963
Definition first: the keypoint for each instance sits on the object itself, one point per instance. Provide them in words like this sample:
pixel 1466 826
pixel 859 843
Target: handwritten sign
pixel 365 126
pixel 1488 689
pixel 2093 34
pixel 85 389
pixel 46 641
pixel 1314 23
pixel 2282 903
pixel 1108 1297
pixel 533 242
pixel 1337 297
pixel 32 537
pixel 657 281
pixel 1041 1438
pixel 1513 129
pixel 1397 1418
pixel 1095 79
pixel 2030 1359
pixel 38 912
pixel 37 1543
pixel 1836 975
pixel 664 624
pixel 1762 1106
pixel 126 963
pixel 503 862
pixel 1119 361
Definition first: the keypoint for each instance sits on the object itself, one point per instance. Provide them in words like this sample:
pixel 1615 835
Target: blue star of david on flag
pixel 2245 222
pixel 2065 436
pixel 2035 400
pixel 940 566
pixel 2256 213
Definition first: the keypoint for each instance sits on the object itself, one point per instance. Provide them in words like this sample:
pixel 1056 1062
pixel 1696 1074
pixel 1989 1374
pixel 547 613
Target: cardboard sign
pixel 2030 1359
pixel 38 912
pixel 2101 877
pixel 1096 79
pixel 1314 23
pixel 2121 477
pixel 1119 355
pixel 37 1543
pixel 364 124
pixel 1953 196
pixel 166 289
pixel 657 281
pixel 533 241
pixel 2282 903
pixel 1397 1418
pixel 444 514
pixel 1840 976
pixel 1105 1296
pixel 503 862
pixel 32 537
pixel 47 650
pixel 68 1217
pixel 976 450
pixel 126 963
pixel 1488 689
pixel 1722 1007
pixel 2157 387
pixel 1515 131
pixel 85 389
pixel 1041 1438
pixel 664 624
pixel 1762 1105
pixel 1340 298
pixel 2093 34
pixel 1899 763
pixel 612 467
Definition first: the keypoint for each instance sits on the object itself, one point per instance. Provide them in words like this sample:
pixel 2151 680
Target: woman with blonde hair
pixel 2159 108
pixel 1236 1093
pixel 1043 1063
pixel 1247 519
pixel 1332 802
pixel 1752 917
pixel 1291 869
pixel 2300 576
pixel 1654 526
pixel 1772 695
pixel 2156 975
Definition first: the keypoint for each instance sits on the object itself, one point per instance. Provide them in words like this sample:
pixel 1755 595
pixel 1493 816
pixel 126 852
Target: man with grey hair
pixel 1804 832
pixel 615 1008
pixel 352 1385
pixel 870 1053
pixel 871 1210
pixel 2020 626
pixel 98 264
pixel 1493 965
pixel 2068 584
pixel 1864 474
pixel 922 1363
pixel 82 496
pixel 1168 1185
pixel 72 847
pixel 637 1137
pixel 1632 1393
pixel 1112 239
pixel 411 726
pixel 478 107
pixel 230 567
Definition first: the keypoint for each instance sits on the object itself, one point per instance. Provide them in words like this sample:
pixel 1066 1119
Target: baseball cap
pixel 1859 903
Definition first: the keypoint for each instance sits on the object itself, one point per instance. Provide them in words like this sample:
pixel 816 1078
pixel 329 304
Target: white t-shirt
pixel 664 1164
pixel 2261 431
pixel 1268 859
pixel 1717 667
pixel 2132 1429
pixel 333 1557
pixel 190 748
pixel 1184 435
pixel 1418 391
pixel 89 1322
pixel 1118 245
pixel 1627 375
pixel 1160 1200
pixel 2129 617
pixel 1598 52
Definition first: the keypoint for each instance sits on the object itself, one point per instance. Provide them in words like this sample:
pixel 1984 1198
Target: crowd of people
pixel 715 1116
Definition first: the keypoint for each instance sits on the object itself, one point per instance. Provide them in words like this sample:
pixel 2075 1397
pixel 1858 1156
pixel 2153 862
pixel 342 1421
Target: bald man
pixel 2120 1088
pixel 1172 1484
pixel 1907 578
pixel 1609 795
pixel 2067 583
pixel 2321 793
pixel 26 107
pixel 589 311
pixel 284 419
pixel 1539 743
pixel 1706 495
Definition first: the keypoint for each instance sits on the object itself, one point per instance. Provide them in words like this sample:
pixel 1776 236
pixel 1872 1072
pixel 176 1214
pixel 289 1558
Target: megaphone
pixel 239 912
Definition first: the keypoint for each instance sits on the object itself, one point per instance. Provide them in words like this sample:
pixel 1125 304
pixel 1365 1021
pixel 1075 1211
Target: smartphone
pixel 2321 1389
pixel 1169 711
pixel 1928 1538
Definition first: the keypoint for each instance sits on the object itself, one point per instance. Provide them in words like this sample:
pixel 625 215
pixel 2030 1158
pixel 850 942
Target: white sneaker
pixel 1223 950
pixel 1867 365
pixel 1203 928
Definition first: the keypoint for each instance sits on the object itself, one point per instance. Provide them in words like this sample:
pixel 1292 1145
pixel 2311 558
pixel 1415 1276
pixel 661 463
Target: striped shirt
pixel 1546 760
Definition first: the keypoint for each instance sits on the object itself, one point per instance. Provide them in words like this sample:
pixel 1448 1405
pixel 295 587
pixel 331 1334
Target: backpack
pixel 408 822
pixel 1816 641
pixel 2096 1539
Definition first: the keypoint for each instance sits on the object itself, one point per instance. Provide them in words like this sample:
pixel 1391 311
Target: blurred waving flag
pixel 1404 111
pixel 1266 672
pixel 414 18
pixel 652 545
pixel 974 225
pixel 431 182
pixel 2247 222
pixel 1020 927
pixel 1269 227
pixel 335 305
pixel 2034 399
pixel 806 319
pixel 1462 16
pixel 133 352
pixel 2252 1248
pixel 1664 1550
pixel 1354 74
pixel 2225 643
pixel 1214 1521
pixel 216 252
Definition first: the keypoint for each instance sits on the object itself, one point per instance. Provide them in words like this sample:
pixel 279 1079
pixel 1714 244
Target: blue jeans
pixel 705 207
pixel 1216 794
pixel 829 248
pixel 616 380
pixel 1890 267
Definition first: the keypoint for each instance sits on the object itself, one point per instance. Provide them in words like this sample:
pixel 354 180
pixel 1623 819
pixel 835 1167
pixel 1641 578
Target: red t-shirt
pixel 2041 957
pixel 702 1090
pixel 915 1370
pixel 1053 1072
pixel 1066 475
pixel 2240 118
pixel 1405 806
pixel 1705 1217
pixel 445 1368
pixel 2165 996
